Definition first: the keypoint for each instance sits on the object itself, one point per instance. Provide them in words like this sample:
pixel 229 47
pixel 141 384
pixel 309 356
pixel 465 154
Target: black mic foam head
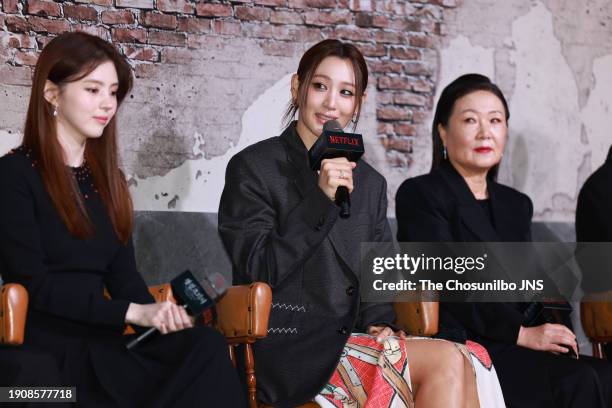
pixel 332 126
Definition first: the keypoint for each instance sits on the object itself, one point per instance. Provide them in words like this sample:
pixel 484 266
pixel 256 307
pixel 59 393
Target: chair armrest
pixel 243 312
pixel 13 310
pixel 162 293
pixel 596 316
pixel 417 318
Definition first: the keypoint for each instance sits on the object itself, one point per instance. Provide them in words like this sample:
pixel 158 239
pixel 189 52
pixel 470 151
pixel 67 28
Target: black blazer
pixel 279 227
pixel 439 207
pixel 594 222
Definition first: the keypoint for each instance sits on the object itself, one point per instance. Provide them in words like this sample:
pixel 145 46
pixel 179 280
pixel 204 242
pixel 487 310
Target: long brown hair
pixel 311 60
pixel 457 89
pixel 68 58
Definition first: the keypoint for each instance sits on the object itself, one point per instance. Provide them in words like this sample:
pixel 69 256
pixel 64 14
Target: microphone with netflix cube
pixel 193 296
pixel 332 143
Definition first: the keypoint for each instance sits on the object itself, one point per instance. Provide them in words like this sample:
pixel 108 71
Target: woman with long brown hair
pixel 65 234
pixel 280 224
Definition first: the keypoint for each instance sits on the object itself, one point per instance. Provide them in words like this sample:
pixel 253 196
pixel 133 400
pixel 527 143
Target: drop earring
pixel 55 111
pixel 354 119
pixel 445 153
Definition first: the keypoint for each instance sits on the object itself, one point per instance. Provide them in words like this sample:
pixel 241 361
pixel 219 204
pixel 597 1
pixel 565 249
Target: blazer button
pixel 343 330
pixel 320 223
pixel 350 290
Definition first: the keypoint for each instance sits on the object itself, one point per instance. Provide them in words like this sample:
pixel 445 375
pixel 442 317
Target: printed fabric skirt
pixel 373 375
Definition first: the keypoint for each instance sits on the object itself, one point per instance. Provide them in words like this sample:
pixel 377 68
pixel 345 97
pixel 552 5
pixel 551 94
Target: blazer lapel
pixel 304 180
pixel 470 212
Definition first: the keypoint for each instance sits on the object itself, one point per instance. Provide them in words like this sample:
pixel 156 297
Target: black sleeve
pixel 248 224
pixel 23 257
pixel 123 281
pixel 378 314
pixel 593 205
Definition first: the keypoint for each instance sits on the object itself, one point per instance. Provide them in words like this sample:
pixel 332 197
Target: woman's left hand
pixel 382 332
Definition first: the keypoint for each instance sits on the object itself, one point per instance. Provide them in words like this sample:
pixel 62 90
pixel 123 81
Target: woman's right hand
pixel 335 173
pixel 165 316
pixel 548 337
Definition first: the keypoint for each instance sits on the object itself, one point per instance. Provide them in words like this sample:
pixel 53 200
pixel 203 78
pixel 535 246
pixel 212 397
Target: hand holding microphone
pixel 335 154
pixel 192 298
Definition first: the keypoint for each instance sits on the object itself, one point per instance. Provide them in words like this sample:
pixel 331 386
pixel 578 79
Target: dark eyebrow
pixel 329 79
pixel 474 110
pixel 99 82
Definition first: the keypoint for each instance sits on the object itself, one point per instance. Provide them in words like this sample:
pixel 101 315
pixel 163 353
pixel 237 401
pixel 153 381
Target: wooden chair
pixel 596 316
pixel 242 317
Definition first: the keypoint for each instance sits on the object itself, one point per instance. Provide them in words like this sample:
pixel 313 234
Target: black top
pixel 64 275
pixel 486 206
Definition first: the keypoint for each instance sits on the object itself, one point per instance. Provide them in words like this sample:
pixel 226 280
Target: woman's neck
pixel 73 148
pixel 476 181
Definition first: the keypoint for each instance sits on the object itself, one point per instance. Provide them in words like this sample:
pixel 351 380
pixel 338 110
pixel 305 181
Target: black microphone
pixel 333 143
pixel 195 298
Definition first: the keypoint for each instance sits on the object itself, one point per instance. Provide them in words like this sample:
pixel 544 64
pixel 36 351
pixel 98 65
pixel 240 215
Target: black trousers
pixel 536 379
pixel 190 368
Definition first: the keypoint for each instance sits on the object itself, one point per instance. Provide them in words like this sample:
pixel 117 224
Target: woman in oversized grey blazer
pixel 280 225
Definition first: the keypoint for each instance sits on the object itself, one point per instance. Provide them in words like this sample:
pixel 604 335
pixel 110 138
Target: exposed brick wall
pixel 397 37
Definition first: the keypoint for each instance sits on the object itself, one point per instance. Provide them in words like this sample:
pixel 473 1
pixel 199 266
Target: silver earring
pixel 445 153
pixel 55 111
pixel 354 119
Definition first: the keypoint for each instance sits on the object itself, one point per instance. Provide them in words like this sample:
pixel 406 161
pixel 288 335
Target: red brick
pixel 400 83
pixel 213 10
pixel 16 75
pixel 307 34
pixel 418 68
pixel 96 30
pixel 390 37
pixel 179 56
pixel 118 17
pixel 44 8
pixel 420 85
pixel 167 38
pixel 26 58
pixel 129 35
pixel 324 18
pixel 286 17
pixel 381 21
pixel 226 27
pixel 421 41
pixel 43 41
pixel 398 160
pixel 275 3
pixel 404 53
pixel 444 3
pixel 353 34
pixel 41 24
pixel 80 12
pixel 252 13
pixel 194 25
pixel 10 6
pixel 393 113
pixel 144 70
pixel 279 48
pixel 141 53
pixel 411 99
pixel 373 50
pixel 140 4
pixel 321 3
pixel 17 24
pixel 363 20
pixel 384 128
pixel 20 41
pixel 266 31
pixel 175 6
pixel 384 98
pixel 159 20
pixel 297 4
pixel 400 144
pixel 386 67
pixel 98 2
pixel 404 129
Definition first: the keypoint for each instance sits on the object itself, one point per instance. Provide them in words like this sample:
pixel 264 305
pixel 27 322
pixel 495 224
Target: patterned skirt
pixel 374 375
